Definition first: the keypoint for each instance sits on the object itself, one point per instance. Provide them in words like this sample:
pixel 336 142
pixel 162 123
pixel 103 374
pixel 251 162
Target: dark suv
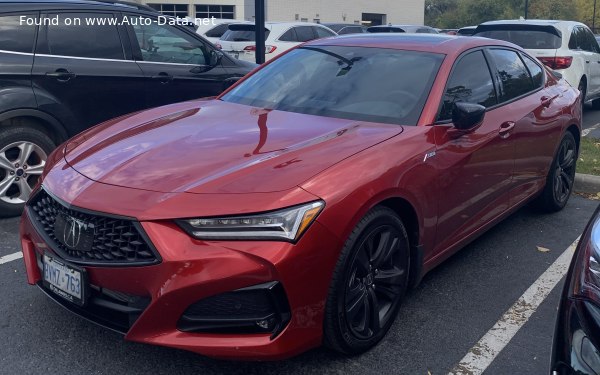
pixel 68 65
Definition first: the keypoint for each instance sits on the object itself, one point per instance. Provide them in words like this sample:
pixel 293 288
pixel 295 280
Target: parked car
pixel 466 31
pixel 77 76
pixel 240 40
pixel 449 31
pixel 402 29
pixel 346 28
pixel 294 209
pixel 576 344
pixel 565 46
pixel 214 31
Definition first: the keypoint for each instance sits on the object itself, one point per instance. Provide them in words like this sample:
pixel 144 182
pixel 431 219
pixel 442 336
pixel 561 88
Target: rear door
pixel 176 63
pixel 533 110
pixel 589 45
pixel 475 169
pixel 83 72
pixel 16 59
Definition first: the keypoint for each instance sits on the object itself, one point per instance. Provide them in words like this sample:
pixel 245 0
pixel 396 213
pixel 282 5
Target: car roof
pixel 436 43
pixel 532 22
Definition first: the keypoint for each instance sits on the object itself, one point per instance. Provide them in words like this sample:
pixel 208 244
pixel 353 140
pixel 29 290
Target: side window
pixel 591 43
pixel 575 40
pixel 80 38
pixel 322 32
pixel 514 77
pixel 15 36
pixel 289 36
pixel 217 31
pixel 305 33
pixel 536 72
pixel 471 82
pixel 167 44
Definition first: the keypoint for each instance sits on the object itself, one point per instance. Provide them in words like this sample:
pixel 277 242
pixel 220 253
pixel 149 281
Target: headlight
pixel 287 224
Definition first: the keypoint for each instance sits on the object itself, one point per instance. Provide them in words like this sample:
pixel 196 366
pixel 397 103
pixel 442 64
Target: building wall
pixel 347 11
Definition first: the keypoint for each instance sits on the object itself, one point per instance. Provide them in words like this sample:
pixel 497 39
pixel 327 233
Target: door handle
pixel 587 61
pixel 163 77
pixel 505 129
pixel 61 75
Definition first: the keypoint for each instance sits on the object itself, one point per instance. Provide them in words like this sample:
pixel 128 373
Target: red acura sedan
pixel 298 207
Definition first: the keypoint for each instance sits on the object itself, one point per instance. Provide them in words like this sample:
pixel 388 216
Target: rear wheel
pixel 23 154
pixel 369 282
pixel 596 104
pixel 583 90
pixel 559 183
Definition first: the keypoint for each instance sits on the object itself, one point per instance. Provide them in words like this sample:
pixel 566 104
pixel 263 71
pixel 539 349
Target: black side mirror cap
pixel 467 116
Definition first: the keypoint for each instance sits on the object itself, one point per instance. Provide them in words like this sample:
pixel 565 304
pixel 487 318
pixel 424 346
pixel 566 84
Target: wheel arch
pixel 573 129
pixel 38 120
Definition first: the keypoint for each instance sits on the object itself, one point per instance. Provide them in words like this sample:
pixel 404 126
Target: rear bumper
pixel 151 299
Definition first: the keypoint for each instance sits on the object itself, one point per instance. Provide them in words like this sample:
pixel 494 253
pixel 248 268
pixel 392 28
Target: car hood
pixel 211 146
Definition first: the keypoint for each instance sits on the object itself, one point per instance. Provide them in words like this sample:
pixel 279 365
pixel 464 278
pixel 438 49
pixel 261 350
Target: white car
pixel 215 28
pixel 240 40
pixel 565 46
pixel 402 29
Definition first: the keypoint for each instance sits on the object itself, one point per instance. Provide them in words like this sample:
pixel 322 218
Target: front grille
pixel 108 240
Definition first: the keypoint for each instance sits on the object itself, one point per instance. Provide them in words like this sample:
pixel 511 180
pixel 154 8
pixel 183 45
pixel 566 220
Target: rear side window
pixel 304 33
pixel 15 36
pixel 528 39
pixel 536 72
pixel 217 31
pixel 242 35
pixel 289 36
pixel 351 30
pixel 323 33
pixel 512 73
pixel 85 40
pixel 470 82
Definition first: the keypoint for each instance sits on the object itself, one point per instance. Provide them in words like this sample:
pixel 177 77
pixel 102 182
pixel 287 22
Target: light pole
pixel 259 24
pixel 594 18
pixel 527 8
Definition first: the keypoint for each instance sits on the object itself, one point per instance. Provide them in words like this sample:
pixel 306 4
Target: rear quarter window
pixel 14 36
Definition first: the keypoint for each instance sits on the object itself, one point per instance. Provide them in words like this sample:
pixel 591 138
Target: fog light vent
pixel 257 309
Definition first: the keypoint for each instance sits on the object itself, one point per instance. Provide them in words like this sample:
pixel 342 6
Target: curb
pixel 587 183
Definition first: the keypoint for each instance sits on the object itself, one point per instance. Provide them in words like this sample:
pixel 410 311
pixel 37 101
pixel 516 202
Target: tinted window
pixel 289 36
pixel 536 72
pixel 242 34
pixel 591 43
pixel 323 33
pixel 351 30
pixel 304 33
pixel 217 31
pixel 336 28
pixel 514 77
pixel 529 39
pixel 14 36
pixel 168 44
pixel 362 84
pixel 470 82
pixel 84 40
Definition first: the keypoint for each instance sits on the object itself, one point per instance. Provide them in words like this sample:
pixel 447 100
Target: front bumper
pixel 156 296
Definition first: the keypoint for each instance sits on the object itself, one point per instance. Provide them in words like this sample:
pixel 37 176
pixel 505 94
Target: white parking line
pixel 587 131
pixel 11 257
pixel 493 342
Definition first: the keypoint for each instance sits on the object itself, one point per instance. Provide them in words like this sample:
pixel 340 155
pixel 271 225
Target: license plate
pixel 64 280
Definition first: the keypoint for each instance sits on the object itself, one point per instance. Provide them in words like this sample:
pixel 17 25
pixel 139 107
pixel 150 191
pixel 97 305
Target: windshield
pixel 356 83
pixel 245 33
pixel 528 39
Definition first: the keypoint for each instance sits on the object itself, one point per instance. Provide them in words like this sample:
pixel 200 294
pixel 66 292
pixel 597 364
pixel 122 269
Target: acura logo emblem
pixel 72 231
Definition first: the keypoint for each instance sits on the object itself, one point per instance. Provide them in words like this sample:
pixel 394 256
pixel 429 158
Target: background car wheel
pixel 559 183
pixel 23 154
pixel 596 104
pixel 369 282
pixel 583 89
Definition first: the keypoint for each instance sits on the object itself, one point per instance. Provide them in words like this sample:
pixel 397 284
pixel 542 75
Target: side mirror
pixel 215 57
pixel 467 116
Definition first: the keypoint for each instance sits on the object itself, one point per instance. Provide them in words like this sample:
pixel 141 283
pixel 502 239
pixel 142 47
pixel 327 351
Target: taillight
pixel 218 46
pixel 558 62
pixel 268 49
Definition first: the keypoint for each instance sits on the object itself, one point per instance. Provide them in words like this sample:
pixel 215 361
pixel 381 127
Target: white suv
pixel 240 40
pixel 565 46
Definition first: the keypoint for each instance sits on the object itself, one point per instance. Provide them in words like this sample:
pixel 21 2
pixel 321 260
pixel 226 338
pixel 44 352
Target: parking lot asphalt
pixel 454 306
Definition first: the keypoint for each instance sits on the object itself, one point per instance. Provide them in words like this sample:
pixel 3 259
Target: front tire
pixel 369 283
pixel 23 154
pixel 561 176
